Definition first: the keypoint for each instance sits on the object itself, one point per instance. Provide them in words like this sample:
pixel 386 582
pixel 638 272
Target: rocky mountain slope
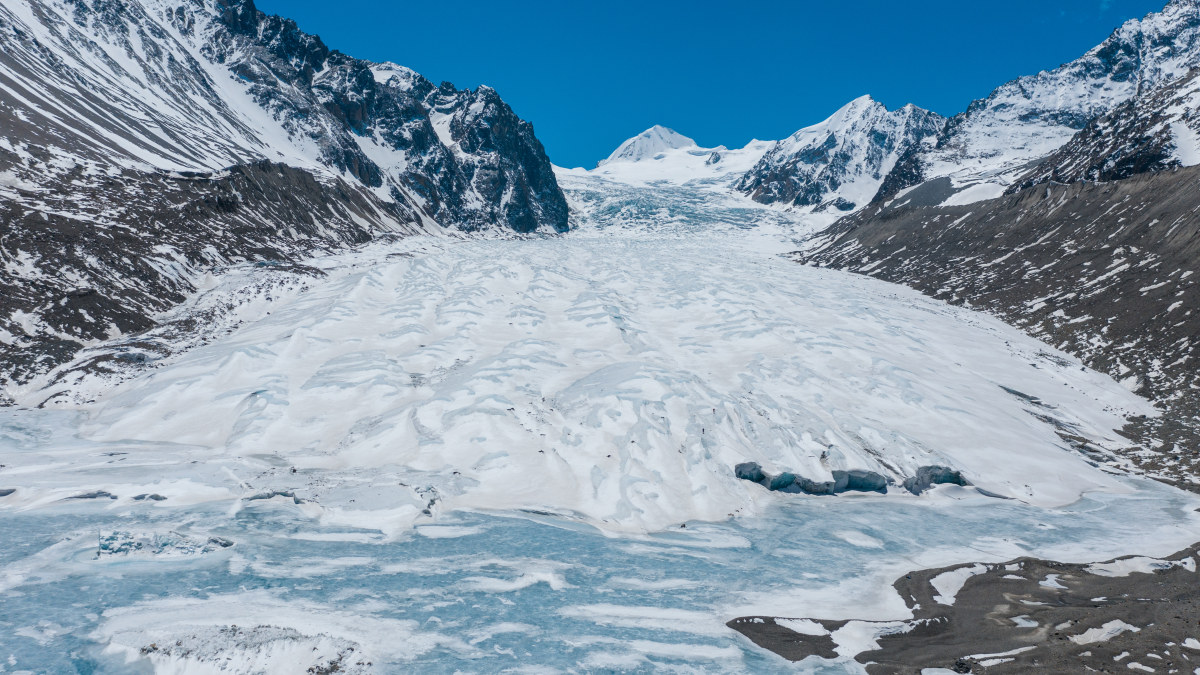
pixel 1151 132
pixel 985 149
pixel 147 143
pixel 1094 248
pixel 1106 271
pixel 200 85
pixel 839 163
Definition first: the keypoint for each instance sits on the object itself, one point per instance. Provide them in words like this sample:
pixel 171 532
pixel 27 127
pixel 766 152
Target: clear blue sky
pixel 588 75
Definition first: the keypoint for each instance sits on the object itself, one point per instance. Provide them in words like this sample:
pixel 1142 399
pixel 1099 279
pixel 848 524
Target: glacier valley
pixel 517 453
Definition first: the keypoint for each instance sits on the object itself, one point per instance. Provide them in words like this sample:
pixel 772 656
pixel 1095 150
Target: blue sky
pixel 590 74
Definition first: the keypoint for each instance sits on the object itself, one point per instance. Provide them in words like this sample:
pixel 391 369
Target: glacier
pixel 516 453
pixel 441 431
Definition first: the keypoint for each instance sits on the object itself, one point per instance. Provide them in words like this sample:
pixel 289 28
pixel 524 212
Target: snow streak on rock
pixel 1151 132
pixel 200 85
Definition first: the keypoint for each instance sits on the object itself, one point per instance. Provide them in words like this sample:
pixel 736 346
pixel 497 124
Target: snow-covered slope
pixel 675 189
pixel 649 143
pixel 661 156
pixel 985 149
pixel 1157 130
pixel 840 162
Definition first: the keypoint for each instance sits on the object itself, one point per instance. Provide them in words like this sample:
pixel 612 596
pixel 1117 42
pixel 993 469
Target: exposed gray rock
pixel 1000 138
pixel 271 494
pixel 151 497
pixel 199 77
pixel 99 261
pixel 750 471
pixel 1036 615
pixel 98 494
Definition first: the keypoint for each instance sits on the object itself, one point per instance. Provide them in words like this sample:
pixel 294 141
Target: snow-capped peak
pixel 840 162
pixel 649 143
pixel 856 109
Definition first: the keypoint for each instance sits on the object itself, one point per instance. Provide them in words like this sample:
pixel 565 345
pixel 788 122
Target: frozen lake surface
pixel 518 455
pixel 489 593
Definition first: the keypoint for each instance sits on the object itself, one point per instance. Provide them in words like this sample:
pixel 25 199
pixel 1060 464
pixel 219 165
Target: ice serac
pixel 1154 131
pixel 839 164
pixel 984 150
pixel 189 135
pixel 648 144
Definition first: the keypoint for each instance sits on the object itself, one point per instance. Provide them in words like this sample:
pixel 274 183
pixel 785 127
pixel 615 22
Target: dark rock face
pixel 503 161
pixel 928 476
pixel 195 134
pixel 339 101
pixel 750 471
pixel 1106 271
pixel 1139 136
pixel 909 170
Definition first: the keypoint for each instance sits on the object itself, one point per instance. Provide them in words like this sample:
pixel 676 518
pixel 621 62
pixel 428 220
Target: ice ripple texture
pixel 620 379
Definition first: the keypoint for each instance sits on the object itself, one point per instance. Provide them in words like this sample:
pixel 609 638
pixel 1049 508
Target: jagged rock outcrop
pixel 201 85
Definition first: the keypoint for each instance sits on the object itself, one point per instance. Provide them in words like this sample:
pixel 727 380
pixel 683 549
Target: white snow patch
pixel 1104 632
pixel 1139 564
pixel 949 583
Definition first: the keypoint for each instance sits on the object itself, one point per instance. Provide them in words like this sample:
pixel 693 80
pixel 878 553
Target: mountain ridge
pixel 196 135
pixel 840 162
pixel 986 148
